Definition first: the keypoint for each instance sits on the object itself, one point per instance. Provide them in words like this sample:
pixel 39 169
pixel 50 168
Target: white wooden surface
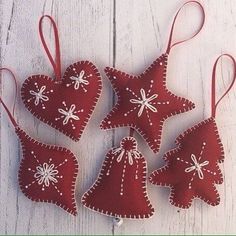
pixel 128 34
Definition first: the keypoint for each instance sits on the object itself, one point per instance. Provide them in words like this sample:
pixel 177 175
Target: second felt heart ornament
pixel 65 103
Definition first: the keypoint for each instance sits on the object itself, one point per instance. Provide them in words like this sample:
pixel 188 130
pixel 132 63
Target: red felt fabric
pixel 65 103
pixel 67 94
pixel 47 173
pixel 129 90
pixel 199 145
pixel 120 189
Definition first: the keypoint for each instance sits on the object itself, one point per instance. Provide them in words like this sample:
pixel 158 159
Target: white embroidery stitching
pixel 196 166
pixel 145 102
pixel 39 95
pixel 68 114
pixel 130 155
pixel 79 80
pixel 46 174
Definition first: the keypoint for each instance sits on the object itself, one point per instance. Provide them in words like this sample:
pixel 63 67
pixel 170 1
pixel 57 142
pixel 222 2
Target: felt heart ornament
pixel 144 102
pixel 65 103
pixel 47 173
pixel 192 169
pixel 120 189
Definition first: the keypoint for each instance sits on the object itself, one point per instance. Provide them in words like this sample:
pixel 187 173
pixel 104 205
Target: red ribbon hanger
pixel 214 104
pixel 170 45
pixel 11 116
pixel 57 63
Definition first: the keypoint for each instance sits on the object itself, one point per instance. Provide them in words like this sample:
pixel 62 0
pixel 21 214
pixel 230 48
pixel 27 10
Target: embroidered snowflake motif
pixel 68 114
pixel 46 174
pixel 145 102
pixel 196 166
pixel 79 80
pixel 39 96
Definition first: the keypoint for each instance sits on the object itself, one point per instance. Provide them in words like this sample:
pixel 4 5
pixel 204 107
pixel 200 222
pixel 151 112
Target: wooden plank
pixel 142 32
pixel 85 33
pixel 129 35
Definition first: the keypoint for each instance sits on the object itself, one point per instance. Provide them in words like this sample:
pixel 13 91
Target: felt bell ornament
pixel 121 189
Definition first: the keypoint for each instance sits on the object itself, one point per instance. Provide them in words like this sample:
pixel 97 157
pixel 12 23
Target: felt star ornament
pixel 65 103
pixel 47 173
pixel 144 102
pixel 120 189
pixel 192 169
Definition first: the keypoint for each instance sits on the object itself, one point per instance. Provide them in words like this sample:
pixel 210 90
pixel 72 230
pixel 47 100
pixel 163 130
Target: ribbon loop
pixel 11 116
pixel 214 104
pixel 57 63
pixel 170 45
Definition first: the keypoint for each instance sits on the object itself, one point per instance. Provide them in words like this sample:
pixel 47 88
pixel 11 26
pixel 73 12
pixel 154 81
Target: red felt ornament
pixel 120 189
pixel 144 102
pixel 47 173
pixel 64 103
pixel 191 169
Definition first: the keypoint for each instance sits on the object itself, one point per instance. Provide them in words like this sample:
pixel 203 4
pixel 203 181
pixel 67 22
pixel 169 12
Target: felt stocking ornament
pixel 192 169
pixel 65 103
pixel 144 102
pixel 120 189
pixel 47 173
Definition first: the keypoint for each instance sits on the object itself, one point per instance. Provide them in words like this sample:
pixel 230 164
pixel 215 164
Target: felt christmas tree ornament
pixel 120 189
pixel 144 102
pixel 47 173
pixel 65 103
pixel 192 169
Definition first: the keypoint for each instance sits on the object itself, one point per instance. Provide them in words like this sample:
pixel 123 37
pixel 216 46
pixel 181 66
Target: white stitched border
pixel 145 137
pixel 97 182
pixel 97 74
pixel 177 149
pixel 72 190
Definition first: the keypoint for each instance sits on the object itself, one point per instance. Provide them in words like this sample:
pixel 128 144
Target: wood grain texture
pixel 127 34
